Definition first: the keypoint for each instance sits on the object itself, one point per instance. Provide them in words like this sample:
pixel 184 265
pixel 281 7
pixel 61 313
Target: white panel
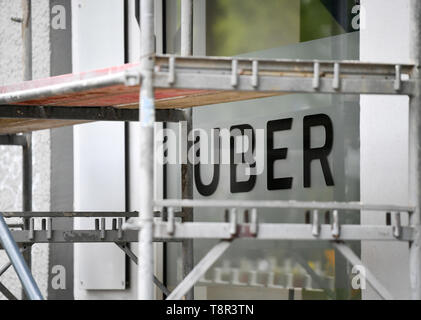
pixel 384 142
pixel 98 42
pixel 99 185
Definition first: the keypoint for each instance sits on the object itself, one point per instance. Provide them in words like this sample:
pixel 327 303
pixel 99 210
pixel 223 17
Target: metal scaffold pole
pixel 27 38
pixel 147 120
pixel 186 27
pixel 16 258
pixel 27 147
pixel 27 191
pixel 415 152
pixel 187 169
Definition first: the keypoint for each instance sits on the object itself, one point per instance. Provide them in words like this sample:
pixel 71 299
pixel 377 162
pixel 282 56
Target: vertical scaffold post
pixel 27 148
pixel 415 152
pixel 27 190
pixel 147 120
pixel 27 38
pixel 187 169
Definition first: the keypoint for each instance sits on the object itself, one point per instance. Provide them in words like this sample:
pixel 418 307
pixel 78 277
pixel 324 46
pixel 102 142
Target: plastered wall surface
pixel 384 143
pixel 11 70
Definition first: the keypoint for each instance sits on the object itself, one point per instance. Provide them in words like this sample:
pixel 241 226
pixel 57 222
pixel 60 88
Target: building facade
pixel 94 166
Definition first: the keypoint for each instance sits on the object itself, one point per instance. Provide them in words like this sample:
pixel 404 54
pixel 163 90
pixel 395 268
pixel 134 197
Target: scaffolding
pixel 209 80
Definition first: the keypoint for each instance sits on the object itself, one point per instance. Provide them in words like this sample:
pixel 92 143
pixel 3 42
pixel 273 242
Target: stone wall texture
pixel 11 71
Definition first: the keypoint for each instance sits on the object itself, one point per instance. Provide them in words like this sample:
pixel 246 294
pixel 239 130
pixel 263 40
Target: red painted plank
pixel 108 96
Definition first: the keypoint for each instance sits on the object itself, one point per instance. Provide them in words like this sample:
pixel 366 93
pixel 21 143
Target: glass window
pixel 293 29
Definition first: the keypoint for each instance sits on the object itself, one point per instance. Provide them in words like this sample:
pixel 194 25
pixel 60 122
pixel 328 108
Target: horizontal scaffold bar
pixel 279 231
pixel 66 87
pixel 13 140
pixel 69 214
pixel 84 113
pixel 287 204
pixel 78 236
pixel 218 230
pixel 278 75
pixel 78 214
pixel 232 74
pixel 348 67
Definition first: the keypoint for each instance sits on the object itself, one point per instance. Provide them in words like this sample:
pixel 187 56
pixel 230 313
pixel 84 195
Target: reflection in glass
pixel 293 29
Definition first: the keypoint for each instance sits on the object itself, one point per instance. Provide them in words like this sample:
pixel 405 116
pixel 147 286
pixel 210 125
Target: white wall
pixel 98 42
pixel 384 142
pixel 11 71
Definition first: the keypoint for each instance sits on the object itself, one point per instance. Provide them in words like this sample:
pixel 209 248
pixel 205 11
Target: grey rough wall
pixel 11 70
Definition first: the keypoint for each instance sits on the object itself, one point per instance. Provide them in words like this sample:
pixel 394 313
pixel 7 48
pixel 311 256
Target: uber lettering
pixel 274 154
